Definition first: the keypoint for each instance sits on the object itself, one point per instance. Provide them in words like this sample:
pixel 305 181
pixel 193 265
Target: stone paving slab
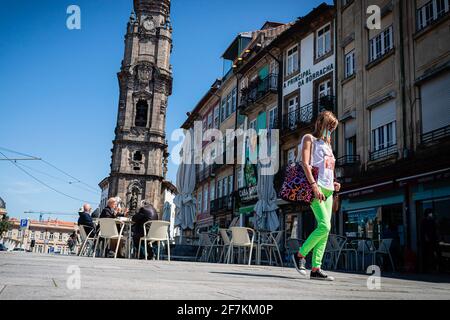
pixel 26 276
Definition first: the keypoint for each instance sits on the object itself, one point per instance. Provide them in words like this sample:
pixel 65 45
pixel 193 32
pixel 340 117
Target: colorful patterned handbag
pixel 296 187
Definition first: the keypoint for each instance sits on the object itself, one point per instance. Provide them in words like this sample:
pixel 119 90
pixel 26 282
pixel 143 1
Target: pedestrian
pixel 72 242
pixel 315 150
pixel 430 241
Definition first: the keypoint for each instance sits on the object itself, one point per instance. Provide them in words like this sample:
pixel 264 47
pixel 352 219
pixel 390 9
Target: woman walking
pixel 315 151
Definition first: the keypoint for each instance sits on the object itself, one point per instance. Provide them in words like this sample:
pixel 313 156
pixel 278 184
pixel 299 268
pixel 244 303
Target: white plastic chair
pixel 384 249
pixel 158 231
pixel 108 231
pixel 240 238
pixel 85 238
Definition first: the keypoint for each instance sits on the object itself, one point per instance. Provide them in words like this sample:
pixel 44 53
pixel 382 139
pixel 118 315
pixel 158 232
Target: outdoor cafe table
pixel 128 224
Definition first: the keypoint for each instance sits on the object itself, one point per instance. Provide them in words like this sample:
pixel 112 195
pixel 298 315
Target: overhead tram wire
pixel 58 178
pixel 45 184
pixel 76 180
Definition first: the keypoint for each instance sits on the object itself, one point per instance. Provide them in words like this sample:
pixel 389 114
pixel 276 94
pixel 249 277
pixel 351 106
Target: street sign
pixel 23 223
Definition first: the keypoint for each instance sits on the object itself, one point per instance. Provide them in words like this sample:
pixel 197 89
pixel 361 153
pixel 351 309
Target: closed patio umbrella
pixel 266 208
pixel 166 211
pixel 184 201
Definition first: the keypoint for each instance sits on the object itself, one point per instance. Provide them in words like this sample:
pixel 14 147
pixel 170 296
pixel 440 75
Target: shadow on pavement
pixel 253 275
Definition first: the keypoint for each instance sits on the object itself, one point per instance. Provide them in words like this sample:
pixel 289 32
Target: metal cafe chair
pixel 224 244
pixel 343 250
pixel 207 243
pixel 270 243
pixel 87 239
pixel 384 248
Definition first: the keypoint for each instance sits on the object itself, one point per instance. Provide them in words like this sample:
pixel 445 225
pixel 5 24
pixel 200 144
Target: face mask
pixel 326 134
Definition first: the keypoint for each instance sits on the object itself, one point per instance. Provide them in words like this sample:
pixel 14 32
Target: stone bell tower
pixel 139 154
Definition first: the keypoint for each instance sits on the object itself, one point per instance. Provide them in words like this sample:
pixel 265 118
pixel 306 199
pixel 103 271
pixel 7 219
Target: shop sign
pixel 306 77
pixel 248 194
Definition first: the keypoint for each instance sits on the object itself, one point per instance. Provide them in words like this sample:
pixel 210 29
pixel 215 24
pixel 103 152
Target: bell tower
pixel 139 153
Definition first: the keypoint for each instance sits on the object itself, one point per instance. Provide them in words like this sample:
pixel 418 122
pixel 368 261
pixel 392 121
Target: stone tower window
pixel 137 156
pixel 141 114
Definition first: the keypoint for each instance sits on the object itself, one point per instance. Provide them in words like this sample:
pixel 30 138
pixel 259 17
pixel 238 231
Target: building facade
pixel 393 104
pixel 389 87
pixel 41 236
pixel 139 154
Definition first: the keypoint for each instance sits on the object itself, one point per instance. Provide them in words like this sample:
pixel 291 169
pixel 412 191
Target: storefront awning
pixel 247 210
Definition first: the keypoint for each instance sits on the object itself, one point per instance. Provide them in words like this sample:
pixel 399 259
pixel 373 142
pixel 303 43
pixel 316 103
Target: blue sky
pixel 59 90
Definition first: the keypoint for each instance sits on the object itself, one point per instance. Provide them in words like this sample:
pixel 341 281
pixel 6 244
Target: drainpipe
pixel 405 147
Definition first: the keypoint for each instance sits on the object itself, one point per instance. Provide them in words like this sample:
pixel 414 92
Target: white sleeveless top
pixel 322 158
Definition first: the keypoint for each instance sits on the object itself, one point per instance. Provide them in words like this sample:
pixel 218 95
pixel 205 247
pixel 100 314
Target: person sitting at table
pixel 145 214
pixel 85 219
pixel 112 212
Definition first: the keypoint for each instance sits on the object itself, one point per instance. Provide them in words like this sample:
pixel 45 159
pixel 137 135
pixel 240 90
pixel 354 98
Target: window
pixel 32 235
pixel 292 61
pixel 324 89
pixel 205 198
pixel 229 104
pixel 324 41
pixel 233 100
pixel 60 238
pixel 430 12
pixel 225 187
pixel 292 110
pixel 216 117
pixel 219 188
pixel 381 44
pixel 141 114
pixel 204 124
pixel 199 201
pixel 350 64
pixel 41 236
pixel 350 146
pixel 224 109
pixel 240 177
pixel 51 236
pixel 210 120
pixel 137 156
pixel 212 192
pixel 230 183
pixel 383 127
pixel 273 116
pixel 435 98
pixel 19 234
pixel 10 234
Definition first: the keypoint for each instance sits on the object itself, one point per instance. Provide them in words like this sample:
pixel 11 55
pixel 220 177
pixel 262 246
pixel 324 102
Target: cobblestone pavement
pixel 33 276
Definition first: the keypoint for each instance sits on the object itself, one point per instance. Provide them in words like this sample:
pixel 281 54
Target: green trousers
pixel 317 241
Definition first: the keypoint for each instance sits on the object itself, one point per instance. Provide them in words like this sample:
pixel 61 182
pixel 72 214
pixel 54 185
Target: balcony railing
pixel 384 153
pixel 257 90
pixel 436 135
pixel 221 204
pixel 307 114
pixel 207 172
pixel 348 160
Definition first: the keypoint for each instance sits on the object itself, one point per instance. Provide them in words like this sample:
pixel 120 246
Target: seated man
pixel 85 219
pixel 111 212
pixel 145 214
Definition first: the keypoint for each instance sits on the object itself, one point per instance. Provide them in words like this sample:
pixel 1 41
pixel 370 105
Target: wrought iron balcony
pixel 307 114
pixel 348 160
pixel 221 204
pixel 436 135
pixel 384 153
pixel 257 90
